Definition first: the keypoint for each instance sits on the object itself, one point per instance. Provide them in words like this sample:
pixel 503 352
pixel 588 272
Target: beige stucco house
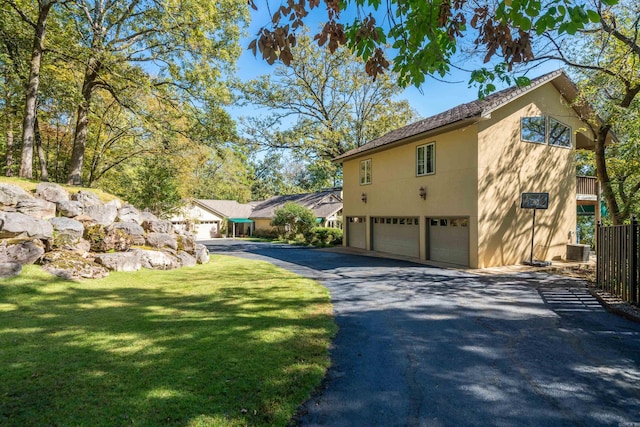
pixel 448 188
pixel 217 218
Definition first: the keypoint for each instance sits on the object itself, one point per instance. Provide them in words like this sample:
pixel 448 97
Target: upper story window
pixel 545 130
pixel 533 129
pixel 365 172
pixel 426 159
pixel 559 133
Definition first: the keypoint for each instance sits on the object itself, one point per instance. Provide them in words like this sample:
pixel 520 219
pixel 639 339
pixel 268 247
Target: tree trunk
pixel 10 121
pixel 44 173
pixel 82 123
pixel 28 125
pixel 603 175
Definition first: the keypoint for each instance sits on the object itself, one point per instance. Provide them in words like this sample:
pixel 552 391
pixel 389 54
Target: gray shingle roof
pixel 228 208
pixel 473 109
pixel 323 204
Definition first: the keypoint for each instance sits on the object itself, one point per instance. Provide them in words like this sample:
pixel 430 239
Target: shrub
pixel 297 218
pixel 321 236
pixel 267 234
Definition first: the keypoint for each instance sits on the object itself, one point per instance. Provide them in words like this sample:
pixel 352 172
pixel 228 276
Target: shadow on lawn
pixel 82 355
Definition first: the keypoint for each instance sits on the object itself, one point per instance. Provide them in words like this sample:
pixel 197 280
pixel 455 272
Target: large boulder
pixel 148 216
pixel 16 224
pixel 131 228
pixel 156 260
pixel 202 254
pixel 103 240
pixel 10 195
pixel 67 232
pixel 158 226
pixel 102 214
pixel 161 240
pixel 70 208
pixel 185 259
pixel 52 192
pixel 9 269
pixel 129 213
pixel 120 261
pixel 37 208
pixel 86 198
pixel 71 265
pixel 186 242
pixel 20 251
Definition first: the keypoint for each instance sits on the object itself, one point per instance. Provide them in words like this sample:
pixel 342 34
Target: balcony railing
pixel 586 187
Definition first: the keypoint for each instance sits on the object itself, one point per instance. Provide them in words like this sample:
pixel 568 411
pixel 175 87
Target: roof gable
pixel 466 113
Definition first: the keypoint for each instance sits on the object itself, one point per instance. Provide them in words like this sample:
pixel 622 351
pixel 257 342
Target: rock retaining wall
pixel 77 236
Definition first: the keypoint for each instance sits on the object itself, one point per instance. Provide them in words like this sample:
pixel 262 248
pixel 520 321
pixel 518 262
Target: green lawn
pixel 229 343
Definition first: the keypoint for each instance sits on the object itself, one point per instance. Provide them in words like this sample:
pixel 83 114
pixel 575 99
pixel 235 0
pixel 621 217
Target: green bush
pixel 322 236
pixel 272 234
pixel 296 219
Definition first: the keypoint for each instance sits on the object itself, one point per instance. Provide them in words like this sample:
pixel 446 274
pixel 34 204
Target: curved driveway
pixel 423 346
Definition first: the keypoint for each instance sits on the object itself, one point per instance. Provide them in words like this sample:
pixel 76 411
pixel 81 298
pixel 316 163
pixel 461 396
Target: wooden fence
pixel 618 261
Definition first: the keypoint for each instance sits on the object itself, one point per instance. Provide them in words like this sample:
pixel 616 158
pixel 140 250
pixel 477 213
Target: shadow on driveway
pixel 424 346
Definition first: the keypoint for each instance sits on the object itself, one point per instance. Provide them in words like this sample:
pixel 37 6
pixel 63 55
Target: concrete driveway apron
pixel 422 346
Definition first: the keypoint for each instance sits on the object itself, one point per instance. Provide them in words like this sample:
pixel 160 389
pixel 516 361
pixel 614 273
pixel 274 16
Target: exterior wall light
pixel 423 193
pixel 364 197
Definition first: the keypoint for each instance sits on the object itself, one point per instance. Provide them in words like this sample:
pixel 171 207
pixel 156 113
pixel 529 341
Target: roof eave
pixel 442 129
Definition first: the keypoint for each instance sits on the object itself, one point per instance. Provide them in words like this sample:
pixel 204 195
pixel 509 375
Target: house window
pixel 559 134
pixel 533 129
pixel 426 159
pixel 365 172
pixel 543 130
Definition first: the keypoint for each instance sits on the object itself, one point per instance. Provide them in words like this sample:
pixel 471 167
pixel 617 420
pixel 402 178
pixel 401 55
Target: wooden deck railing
pixel 586 185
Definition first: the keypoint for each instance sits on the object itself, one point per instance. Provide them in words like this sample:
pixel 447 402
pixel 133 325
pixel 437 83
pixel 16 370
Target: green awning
pixel 236 220
pixel 586 210
pixel 318 220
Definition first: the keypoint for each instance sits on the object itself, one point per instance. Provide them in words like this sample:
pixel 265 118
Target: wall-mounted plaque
pixel 535 201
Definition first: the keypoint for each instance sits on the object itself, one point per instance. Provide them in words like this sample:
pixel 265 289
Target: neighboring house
pixel 215 218
pixel 448 188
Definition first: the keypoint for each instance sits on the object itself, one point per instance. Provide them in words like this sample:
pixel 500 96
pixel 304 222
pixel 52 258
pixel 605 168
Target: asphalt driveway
pixel 423 346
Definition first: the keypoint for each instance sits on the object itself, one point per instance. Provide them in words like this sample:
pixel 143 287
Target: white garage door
pixel 449 240
pixel 357 232
pixel 397 235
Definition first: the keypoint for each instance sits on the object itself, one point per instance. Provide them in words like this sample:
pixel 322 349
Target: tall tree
pixel 37 19
pixel 605 57
pixel 326 102
pixel 189 44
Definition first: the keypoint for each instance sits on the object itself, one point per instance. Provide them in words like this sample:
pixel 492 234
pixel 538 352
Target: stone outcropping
pixel 77 236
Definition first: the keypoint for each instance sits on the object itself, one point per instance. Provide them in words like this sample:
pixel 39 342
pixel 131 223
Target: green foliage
pixel 162 347
pixel 155 187
pixel 272 234
pixel 325 236
pixel 416 38
pixel 294 218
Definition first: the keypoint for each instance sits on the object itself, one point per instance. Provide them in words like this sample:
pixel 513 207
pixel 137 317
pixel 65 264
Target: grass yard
pixel 229 343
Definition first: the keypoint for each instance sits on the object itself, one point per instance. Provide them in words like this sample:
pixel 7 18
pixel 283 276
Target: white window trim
pixel 546 127
pixel 363 173
pixel 425 159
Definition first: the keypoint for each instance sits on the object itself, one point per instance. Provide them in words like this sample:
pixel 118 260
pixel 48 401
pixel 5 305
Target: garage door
pixel 357 231
pixel 397 235
pixel 449 240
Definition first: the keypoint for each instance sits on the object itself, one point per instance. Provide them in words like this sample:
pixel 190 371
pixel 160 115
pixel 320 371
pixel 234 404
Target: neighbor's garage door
pixel 397 235
pixel 449 240
pixel 357 231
